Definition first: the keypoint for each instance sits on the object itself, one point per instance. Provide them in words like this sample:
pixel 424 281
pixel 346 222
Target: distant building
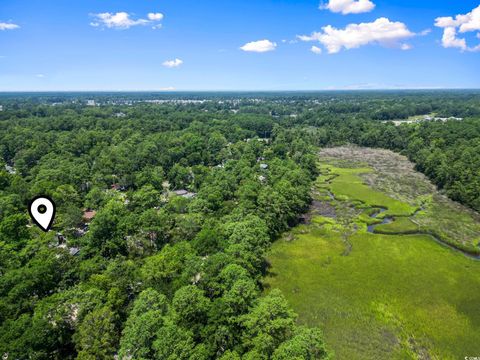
pixel 74 251
pixel 120 115
pixel 80 231
pixel 62 244
pixel 117 187
pixel 1 107
pixel 267 140
pixel 263 166
pixel 184 193
pixel 417 120
pixel 90 102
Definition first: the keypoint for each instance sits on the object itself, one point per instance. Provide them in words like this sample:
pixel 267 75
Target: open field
pixel 395 295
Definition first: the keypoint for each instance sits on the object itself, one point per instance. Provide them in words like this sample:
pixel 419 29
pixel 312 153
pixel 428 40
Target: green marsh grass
pixel 391 296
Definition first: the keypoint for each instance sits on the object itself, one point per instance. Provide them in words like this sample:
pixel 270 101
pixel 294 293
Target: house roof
pixel 89 214
pixel 73 251
pixel 184 193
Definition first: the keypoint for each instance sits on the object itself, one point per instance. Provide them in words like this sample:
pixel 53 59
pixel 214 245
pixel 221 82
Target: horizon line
pixel 241 90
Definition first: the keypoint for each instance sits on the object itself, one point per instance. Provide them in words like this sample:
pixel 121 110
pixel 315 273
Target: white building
pixel 10 169
pixel 184 193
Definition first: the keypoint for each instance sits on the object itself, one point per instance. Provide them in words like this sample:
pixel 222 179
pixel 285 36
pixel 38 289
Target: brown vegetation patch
pixel 323 208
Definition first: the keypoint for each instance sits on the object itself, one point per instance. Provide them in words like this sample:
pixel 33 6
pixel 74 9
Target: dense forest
pixel 156 273
pixel 167 204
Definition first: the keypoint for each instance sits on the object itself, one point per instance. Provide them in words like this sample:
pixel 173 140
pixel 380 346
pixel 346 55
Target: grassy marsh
pixel 391 295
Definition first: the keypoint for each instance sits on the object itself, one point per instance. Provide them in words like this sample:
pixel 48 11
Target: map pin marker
pixel 42 211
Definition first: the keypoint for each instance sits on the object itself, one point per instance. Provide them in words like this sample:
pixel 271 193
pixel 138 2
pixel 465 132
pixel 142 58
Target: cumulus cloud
pixel 316 50
pixel 462 23
pixel 466 22
pixel 260 46
pixel 348 6
pixel 123 20
pixel 450 39
pixel 173 63
pixel 8 26
pixel 155 16
pixel 382 31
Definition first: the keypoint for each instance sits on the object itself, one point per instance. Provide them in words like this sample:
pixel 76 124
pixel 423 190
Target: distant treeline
pixel 448 153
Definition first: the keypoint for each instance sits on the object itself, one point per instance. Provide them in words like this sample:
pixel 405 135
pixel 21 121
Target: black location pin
pixel 42 212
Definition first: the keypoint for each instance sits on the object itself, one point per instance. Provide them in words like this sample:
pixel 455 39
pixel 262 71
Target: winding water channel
pixel 386 220
pixel 390 219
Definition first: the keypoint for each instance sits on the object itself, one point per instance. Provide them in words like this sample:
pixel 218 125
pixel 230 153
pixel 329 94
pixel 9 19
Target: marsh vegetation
pixel 391 292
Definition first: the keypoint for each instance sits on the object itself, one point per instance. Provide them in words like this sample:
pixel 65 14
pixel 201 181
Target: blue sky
pixel 67 45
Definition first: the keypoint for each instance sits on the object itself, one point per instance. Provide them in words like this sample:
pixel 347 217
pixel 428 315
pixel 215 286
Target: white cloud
pixel 425 32
pixel 316 50
pixel 260 46
pixel 173 63
pixel 40 76
pixel 467 22
pixel 382 31
pixel 348 6
pixel 8 26
pixel 450 40
pixel 122 20
pixel 155 16
pixel 461 23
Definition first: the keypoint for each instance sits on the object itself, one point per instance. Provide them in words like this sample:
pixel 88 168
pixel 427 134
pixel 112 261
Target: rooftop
pixel 89 214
